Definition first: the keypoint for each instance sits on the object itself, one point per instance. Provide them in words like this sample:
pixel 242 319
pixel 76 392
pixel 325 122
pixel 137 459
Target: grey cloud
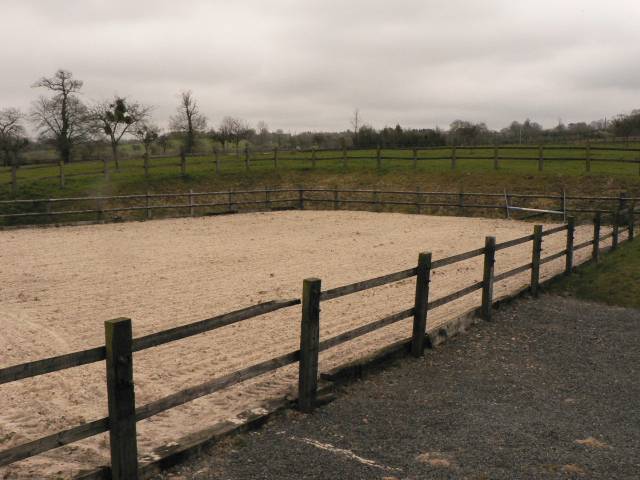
pixel 305 64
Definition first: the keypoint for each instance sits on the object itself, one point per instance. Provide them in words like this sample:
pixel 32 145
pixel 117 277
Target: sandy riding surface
pixel 60 284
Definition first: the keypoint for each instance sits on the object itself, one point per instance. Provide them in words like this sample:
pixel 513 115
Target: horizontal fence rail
pixel 123 413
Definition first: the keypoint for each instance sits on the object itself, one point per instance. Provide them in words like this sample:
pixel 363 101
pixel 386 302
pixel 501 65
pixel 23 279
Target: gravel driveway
pixel 550 389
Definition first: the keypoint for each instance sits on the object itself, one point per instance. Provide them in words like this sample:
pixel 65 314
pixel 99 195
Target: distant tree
pixel 356 121
pixel 117 118
pixel 12 135
pixel 188 120
pixel 233 129
pixel 626 125
pixel 163 141
pixel 147 134
pixel 63 117
pixel 462 132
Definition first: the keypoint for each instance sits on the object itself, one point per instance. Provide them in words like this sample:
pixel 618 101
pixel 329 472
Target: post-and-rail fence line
pixel 117 352
pixel 452 154
pixel 101 209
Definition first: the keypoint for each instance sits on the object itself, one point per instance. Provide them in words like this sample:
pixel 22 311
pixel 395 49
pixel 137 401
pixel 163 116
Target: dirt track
pixel 60 284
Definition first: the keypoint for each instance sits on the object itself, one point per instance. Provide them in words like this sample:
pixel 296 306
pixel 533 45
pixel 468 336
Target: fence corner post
pixel 571 229
pixel 309 345
pixel 121 399
pixel 597 221
pixel 487 278
pixel 535 260
pixel 421 304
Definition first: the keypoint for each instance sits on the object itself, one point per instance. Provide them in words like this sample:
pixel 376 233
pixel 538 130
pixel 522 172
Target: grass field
pixel 614 281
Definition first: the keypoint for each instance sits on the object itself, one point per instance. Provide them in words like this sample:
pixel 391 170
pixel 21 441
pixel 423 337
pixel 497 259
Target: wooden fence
pixel 143 206
pixel 311 158
pixel 123 413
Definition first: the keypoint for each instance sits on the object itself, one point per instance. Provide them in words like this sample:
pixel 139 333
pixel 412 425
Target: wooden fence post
pixel 147 204
pixel 191 204
pixel 535 260
pixel 14 177
pixel 461 202
pixel 588 157
pixel 540 158
pixel 230 200
pixel 418 201
pixel 216 159
pixel 454 158
pixel 487 279
pixel 146 164
pixel 121 400
pixel 246 157
pixel 336 199
pixel 595 253
pixel 415 158
pixel 496 164
pixel 99 209
pixel 301 198
pixel 183 163
pixel 267 198
pixel 376 199
pixel 421 303
pixel 378 159
pixel 571 229
pixel 631 219
pixel 309 345
pixel 61 174
pixel 275 158
pixel 616 230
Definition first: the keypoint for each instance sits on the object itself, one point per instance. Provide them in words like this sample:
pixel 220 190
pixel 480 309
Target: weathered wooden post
pixel 454 158
pixel 14 177
pixel 616 230
pixel 336 199
pixel 267 198
pixel 147 202
pixel 191 204
pixel 595 253
pixel 61 174
pixel 421 304
pixel 301 198
pixel 183 162
pixel 541 158
pixel 309 345
pixel 631 219
pixel 587 154
pixel 418 201
pixel 571 229
pixel 415 158
pixel 496 164
pixel 121 400
pixel 376 201
pixel 146 164
pixel 487 278
pixel 216 159
pixel 230 200
pixel 275 158
pixel 378 159
pixel 461 202
pixel 535 260
pixel 246 157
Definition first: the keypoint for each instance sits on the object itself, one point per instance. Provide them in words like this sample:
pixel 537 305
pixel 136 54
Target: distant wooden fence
pixel 499 154
pixel 143 206
pixel 123 413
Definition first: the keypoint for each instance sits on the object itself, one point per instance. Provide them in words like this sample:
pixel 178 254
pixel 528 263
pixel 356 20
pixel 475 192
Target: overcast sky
pixel 306 64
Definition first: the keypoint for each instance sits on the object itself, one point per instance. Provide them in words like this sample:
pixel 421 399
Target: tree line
pixel 62 120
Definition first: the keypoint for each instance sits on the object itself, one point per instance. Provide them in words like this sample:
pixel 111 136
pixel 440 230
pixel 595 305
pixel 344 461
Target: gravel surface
pixel 548 390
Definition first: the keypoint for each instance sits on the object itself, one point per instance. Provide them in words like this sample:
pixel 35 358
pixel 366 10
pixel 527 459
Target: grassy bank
pixel 614 281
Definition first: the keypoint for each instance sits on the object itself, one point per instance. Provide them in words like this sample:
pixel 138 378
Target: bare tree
pixel 163 141
pixel 189 120
pixel 356 121
pixel 62 117
pixel 12 135
pixel 147 134
pixel 117 118
pixel 233 129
